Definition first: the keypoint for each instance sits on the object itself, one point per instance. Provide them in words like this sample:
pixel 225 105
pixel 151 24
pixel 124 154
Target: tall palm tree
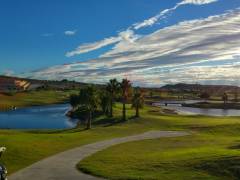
pixel 112 87
pixel 89 100
pixel 137 100
pixel 106 102
pixel 125 86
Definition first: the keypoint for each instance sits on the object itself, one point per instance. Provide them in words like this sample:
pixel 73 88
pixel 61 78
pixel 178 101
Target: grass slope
pixel 213 142
pixel 211 152
pixel 33 98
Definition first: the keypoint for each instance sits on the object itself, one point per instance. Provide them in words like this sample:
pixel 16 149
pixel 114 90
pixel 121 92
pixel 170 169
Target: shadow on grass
pixel 109 121
pixel 228 167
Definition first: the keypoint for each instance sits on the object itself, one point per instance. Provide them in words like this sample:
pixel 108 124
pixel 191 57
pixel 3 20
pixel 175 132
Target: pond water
pixel 53 116
pixel 177 106
pixel 38 117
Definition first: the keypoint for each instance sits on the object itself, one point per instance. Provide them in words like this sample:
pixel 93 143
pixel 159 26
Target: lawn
pixel 213 141
pixel 211 152
pixel 33 98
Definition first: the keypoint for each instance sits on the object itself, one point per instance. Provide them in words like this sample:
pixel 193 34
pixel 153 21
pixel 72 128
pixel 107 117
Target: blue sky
pixel 95 40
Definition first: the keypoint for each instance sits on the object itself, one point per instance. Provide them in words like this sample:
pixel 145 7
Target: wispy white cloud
pixel 167 55
pixel 70 32
pixel 127 35
pixel 84 48
pixel 197 2
pixel 92 46
pixel 153 20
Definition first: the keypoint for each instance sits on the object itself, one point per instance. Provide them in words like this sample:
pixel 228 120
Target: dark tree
pixel 125 86
pixel 137 100
pixel 225 99
pixel 89 100
pixel 112 88
pixel 106 102
pixel 74 101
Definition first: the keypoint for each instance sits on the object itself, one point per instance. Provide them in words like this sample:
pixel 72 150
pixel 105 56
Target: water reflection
pixel 176 105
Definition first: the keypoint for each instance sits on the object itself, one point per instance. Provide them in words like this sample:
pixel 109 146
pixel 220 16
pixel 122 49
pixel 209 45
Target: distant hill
pixel 8 83
pixel 200 88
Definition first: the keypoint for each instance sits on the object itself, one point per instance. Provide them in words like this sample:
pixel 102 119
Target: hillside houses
pixel 8 84
pixel 12 84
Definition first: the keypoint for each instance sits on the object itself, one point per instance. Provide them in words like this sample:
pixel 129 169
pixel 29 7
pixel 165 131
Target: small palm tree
pixel 125 86
pixel 137 101
pixel 74 101
pixel 106 102
pixel 225 99
pixel 89 100
pixel 112 88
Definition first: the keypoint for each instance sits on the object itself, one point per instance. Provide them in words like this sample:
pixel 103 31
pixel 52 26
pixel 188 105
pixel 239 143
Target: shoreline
pixel 207 105
pixel 13 108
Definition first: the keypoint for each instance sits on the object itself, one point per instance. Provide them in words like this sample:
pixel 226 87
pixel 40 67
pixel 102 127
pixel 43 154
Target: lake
pixel 37 117
pixel 53 116
pixel 177 106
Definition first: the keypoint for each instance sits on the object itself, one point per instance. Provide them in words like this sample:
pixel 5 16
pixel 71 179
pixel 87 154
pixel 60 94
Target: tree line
pixel 90 99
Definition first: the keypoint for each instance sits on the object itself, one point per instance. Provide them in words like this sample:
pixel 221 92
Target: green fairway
pixel 27 147
pixel 33 98
pixel 212 141
pixel 211 152
pixel 195 157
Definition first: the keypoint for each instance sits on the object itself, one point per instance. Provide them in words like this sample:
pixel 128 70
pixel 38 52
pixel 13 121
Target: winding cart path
pixel 63 165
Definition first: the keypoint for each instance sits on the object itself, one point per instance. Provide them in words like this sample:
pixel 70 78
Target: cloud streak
pixel 85 48
pixel 197 2
pixel 127 35
pixel 153 20
pixel 70 32
pixel 92 46
pixel 168 55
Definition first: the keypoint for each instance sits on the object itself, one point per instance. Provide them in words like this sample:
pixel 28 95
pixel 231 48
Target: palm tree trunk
pixel 137 111
pixel 124 111
pixel 225 103
pixel 111 108
pixel 89 123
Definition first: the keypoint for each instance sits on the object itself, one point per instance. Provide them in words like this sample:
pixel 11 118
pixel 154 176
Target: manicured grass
pixel 212 140
pixel 211 152
pixel 27 147
pixel 33 98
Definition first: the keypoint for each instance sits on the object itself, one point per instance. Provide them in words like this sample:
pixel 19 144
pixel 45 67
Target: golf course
pixel 211 150
pixel 120 90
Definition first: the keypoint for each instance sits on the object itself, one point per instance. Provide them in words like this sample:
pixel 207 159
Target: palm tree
pixel 89 100
pixel 137 101
pixel 125 86
pixel 112 88
pixel 225 99
pixel 74 101
pixel 106 102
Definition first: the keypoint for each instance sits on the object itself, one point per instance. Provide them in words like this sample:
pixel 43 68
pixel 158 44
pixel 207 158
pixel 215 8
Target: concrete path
pixel 63 165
